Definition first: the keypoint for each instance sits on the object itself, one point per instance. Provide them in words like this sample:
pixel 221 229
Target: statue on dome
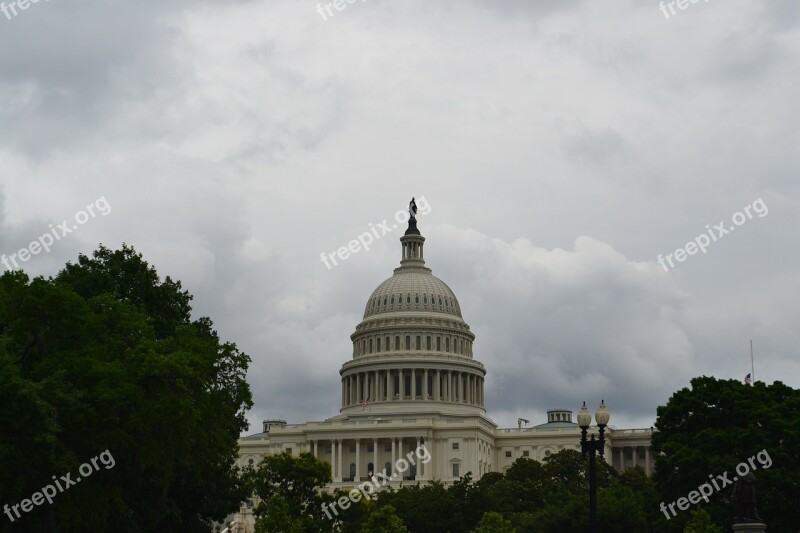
pixel 412 209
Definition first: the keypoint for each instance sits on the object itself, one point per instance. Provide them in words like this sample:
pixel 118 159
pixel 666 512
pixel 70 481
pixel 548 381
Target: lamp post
pixel 592 446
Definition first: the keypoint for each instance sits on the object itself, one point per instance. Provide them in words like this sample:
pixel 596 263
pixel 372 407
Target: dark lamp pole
pixel 592 447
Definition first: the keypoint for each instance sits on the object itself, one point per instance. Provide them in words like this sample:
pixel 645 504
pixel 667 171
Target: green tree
pixel 277 518
pixel 432 508
pixel 297 480
pixel 708 429
pixel 701 523
pixel 384 520
pixel 83 370
pixel 494 523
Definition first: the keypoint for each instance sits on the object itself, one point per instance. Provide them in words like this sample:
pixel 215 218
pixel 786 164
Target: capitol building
pixel 413 380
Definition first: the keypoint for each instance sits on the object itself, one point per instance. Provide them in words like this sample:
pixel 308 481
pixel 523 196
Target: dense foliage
pixel 710 428
pixel 106 357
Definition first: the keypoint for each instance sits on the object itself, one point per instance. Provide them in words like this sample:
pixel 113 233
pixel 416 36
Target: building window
pixel 370 346
pixel 387 469
pixel 438 344
pixel 389 343
pixel 397 342
pixel 508 454
pixel 408 342
pixel 455 445
pixel 447 344
pixel 352 449
pixel 352 471
pixel 547 453
pixel 288 450
pixel 416 299
pixel 370 468
pixel 455 470
pixel 428 343
pixel 425 299
pixel 370 449
pixel 526 453
pixel 250 462
pixel 387 448
pixel 327 449
pixel 419 342
pixel 408 299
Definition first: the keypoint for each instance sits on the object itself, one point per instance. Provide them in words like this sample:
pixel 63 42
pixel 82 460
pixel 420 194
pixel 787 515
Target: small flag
pixel 366 402
pixel 747 380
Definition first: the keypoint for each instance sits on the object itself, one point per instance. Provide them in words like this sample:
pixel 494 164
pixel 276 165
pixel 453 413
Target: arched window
pixel 416 299
pixel 447 344
pixel 397 342
pixel 428 343
pixel 378 344
pixel 392 299
pixel 408 299
pixel 387 469
pixel 370 346
pixel 370 468
pixel 438 344
pixel 388 343
pixel 419 342
pixel 408 342
pixel 425 299
pixel 385 300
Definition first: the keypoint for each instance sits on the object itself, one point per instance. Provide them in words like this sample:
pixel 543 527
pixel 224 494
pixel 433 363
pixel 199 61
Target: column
pixel 413 384
pixel 333 459
pixel 425 385
pixel 635 456
pixel 647 460
pixel 375 382
pixel 315 448
pixel 450 386
pixel 375 465
pixel 416 459
pixel 394 458
pixel 358 461
pixel 390 384
pixel 437 386
pixel 359 388
pixel 340 443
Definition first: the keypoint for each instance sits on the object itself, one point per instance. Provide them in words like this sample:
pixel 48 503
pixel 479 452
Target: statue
pixel 412 209
pixel 744 498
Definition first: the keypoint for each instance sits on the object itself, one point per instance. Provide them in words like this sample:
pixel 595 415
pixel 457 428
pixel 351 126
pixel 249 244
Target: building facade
pixel 412 380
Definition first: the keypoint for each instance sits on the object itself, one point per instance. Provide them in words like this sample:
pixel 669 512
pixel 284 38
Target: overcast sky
pixel 561 147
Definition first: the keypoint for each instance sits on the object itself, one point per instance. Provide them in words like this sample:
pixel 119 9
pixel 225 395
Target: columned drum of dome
pixel 413 346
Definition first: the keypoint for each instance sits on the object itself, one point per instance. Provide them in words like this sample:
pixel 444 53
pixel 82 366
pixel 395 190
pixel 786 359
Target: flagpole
pixel 752 368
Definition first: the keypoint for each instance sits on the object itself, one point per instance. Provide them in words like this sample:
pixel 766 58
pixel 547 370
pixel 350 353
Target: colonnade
pixel 412 384
pixel 620 458
pixel 353 465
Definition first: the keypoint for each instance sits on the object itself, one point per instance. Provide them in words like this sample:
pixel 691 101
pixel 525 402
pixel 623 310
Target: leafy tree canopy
pixel 105 357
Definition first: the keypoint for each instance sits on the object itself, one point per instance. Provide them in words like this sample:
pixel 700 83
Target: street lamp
pixel 592 446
